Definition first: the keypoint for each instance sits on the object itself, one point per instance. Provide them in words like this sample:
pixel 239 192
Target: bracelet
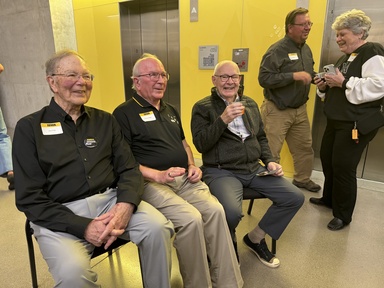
pixel 191 164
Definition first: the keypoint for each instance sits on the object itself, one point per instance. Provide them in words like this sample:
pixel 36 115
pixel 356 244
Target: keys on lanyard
pixel 355 134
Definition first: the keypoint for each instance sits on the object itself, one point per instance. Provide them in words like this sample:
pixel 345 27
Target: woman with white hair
pixel 353 107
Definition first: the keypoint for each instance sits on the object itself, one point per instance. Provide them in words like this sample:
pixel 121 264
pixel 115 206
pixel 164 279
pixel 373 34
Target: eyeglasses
pixel 307 24
pixel 225 77
pixel 75 77
pixel 155 76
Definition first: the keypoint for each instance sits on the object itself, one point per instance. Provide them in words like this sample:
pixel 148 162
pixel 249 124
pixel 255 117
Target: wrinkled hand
pixel 96 228
pixel 334 80
pixel 122 213
pixel 302 76
pixel 194 174
pixel 170 174
pixel 275 166
pixel 232 111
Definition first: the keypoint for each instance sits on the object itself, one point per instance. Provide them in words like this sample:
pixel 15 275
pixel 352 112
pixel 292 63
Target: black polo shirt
pixel 155 136
pixel 57 160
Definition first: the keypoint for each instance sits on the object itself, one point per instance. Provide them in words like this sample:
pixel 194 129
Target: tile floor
pixel 310 254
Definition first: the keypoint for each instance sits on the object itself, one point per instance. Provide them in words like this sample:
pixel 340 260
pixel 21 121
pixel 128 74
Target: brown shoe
pixel 310 185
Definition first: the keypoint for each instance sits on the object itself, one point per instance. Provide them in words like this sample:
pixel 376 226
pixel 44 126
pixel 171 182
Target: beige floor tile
pixel 310 254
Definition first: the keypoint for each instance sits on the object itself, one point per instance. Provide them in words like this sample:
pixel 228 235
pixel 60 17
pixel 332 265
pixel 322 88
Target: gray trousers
pixel 68 257
pixel 228 188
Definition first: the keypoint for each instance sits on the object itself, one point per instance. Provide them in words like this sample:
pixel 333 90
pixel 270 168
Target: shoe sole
pixel 270 265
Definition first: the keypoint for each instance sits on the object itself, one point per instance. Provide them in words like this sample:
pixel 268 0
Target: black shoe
pixel 11 181
pixel 262 252
pixel 319 202
pixel 336 224
pixel 310 185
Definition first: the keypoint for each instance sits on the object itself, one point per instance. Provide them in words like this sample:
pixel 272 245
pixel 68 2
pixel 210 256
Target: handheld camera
pixel 329 69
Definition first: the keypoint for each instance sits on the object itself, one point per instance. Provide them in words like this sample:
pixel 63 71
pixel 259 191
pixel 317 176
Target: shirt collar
pixel 144 103
pixel 62 114
pixel 225 101
pixel 298 45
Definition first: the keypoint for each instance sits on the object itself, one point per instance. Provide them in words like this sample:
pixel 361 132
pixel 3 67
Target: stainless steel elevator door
pixel 371 166
pixel 151 26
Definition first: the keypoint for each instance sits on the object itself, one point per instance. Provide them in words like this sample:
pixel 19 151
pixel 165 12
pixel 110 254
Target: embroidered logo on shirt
pixel 90 142
pixel 173 118
pixel 51 128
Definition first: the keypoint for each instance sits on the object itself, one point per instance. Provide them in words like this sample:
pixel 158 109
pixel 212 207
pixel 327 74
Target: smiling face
pixel 299 31
pixel 70 92
pixel 348 41
pixel 150 89
pixel 227 88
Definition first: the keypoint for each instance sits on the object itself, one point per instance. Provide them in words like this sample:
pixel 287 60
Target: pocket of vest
pixel 371 122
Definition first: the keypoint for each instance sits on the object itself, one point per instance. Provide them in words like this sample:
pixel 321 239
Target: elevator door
pixel 151 26
pixel 371 166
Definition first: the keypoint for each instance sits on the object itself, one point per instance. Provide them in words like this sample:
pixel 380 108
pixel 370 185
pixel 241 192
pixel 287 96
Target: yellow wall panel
pixel 229 24
pixel 80 4
pixel 98 40
pixel 238 24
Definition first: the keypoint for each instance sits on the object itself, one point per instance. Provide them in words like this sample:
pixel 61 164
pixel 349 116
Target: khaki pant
pixel 291 125
pixel 201 231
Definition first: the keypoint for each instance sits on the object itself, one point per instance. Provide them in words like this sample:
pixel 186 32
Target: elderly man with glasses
pixel 79 184
pixel 228 131
pixel 173 183
pixel 286 73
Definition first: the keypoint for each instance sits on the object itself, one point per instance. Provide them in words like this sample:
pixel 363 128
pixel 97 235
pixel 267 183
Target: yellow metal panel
pixel 238 24
pixel 80 4
pixel 98 39
pixel 229 24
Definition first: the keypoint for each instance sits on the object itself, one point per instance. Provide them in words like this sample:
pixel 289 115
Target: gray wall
pixel 27 40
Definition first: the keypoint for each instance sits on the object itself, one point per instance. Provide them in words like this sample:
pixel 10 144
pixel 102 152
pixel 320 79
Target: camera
pixel 320 75
pixel 329 69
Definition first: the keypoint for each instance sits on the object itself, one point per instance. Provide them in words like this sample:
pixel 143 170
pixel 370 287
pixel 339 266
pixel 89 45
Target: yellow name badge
pixel 51 128
pixel 148 116
pixel 352 57
pixel 293 56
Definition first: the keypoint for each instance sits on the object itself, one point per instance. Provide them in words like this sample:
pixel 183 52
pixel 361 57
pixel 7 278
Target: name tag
pixel 51 128
pixel 293 56
pixel 352 57
pixel 148 116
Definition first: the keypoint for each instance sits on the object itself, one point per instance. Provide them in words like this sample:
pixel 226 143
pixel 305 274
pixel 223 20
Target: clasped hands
pixel 105 228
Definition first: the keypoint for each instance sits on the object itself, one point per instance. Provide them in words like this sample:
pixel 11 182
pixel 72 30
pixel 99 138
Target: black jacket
pixel 219 146
pixel 278 64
